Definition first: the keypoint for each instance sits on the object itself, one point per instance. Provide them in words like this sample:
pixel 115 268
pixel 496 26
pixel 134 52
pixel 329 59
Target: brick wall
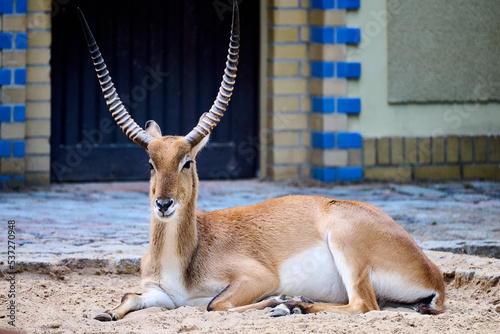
pixel 25 92
pixel 307 91
pixel 305 119
pixel 288 103
pixel 432 158
pixel 38 92
pixel 336 153
pixel 309 108
pixel 13 45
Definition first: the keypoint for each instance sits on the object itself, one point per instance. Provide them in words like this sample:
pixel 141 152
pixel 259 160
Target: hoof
pixel 295 305
pixel 106 317
pixel 282 297
pixel 279 311
pixel 306 300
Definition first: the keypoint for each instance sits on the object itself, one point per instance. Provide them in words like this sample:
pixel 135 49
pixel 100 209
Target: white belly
pixel 312 274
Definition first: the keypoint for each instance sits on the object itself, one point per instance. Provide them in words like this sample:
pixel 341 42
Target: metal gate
pixel 166 59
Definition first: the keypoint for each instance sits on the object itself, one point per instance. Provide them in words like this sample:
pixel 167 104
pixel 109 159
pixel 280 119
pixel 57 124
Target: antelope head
pixel 174 180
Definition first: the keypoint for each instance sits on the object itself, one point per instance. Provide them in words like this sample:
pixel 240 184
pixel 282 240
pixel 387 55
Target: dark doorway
pixel 166 59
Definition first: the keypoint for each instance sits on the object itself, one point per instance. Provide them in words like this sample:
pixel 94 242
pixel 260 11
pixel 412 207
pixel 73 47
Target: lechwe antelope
pixel 343 255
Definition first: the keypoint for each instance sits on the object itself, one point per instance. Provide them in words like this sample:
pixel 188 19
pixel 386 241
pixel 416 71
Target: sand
pixel 65 301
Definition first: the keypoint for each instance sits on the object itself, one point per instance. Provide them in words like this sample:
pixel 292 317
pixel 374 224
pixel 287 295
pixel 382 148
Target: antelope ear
pixel 153 129
pixel 201 144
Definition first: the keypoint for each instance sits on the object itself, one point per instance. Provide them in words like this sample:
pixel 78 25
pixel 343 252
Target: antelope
pixel 294 254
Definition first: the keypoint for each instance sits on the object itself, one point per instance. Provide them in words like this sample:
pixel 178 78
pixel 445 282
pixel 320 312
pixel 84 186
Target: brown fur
pixel 235 255
pixel 245 246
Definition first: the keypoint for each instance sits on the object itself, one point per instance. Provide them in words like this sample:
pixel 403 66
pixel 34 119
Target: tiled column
pixel 288 103
pixel 336 154
pixel 25 42
pixel 38 92
pixel 13 44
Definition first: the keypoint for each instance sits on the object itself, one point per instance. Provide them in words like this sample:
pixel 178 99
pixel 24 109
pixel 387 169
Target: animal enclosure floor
pixel 65 301
pixel 110 221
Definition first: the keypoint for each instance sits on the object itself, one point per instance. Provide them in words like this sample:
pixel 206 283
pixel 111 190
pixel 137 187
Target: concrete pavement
pixel 107 224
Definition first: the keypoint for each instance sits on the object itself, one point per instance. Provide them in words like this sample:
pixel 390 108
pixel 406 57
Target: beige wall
pixel 378 118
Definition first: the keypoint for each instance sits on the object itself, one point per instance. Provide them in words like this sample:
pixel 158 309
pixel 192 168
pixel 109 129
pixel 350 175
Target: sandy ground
pixel 65 301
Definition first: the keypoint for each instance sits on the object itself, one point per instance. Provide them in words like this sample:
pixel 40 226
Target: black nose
pixel 164 204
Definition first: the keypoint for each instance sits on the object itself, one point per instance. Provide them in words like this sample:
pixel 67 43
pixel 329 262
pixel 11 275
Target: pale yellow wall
pixel 377 117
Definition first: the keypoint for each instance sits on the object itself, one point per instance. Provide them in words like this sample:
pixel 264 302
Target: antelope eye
pixel 187 164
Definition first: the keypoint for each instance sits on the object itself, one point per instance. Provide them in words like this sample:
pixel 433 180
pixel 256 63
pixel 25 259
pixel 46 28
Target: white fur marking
pixel 171 276
pixel 312 274
pixel 152 163
pixel 342 269
pixel 183 162
pixel 396 288
pixel 171 286
pixel 155 297
pixel 169 215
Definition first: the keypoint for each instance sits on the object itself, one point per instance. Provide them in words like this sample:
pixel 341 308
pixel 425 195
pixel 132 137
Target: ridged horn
pixel 210 119
pixel 115 105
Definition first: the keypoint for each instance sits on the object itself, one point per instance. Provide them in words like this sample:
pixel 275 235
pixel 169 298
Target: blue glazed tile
pixel 5 76
pixel 21 41
pixel 322 34
pixel 19 113
pixel 6 40
pixel 323 104
pixel 322 69
pixel 5 113
pixel 6 6
pixel 349 105
pixel 4 148
pixel 19 148
pixel 350 173
pixel 20 76
pixel 322 4
pixel 349 140
pixel 21 6
pixel 323 140
pixel 325 174
pixel 348 35
pixel 348 70
pixel 348 4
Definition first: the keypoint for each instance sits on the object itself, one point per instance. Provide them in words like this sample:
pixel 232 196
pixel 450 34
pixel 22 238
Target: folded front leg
pixel 135 301
pixel 240 294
